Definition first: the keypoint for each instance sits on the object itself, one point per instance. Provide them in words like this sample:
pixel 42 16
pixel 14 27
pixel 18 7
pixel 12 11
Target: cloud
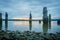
pixel 23 7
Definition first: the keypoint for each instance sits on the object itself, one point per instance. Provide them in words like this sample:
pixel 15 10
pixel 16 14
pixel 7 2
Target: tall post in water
pixel 49 21
pixel 30 22
pixel 58 22
pixel 0 21
pixel 6 21
pixel 45 16
pixel 45 20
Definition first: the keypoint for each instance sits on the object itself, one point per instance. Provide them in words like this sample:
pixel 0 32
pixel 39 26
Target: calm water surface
pixel 24 26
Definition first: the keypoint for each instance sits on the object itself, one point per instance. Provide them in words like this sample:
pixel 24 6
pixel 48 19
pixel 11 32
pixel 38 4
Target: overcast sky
pixel 22 8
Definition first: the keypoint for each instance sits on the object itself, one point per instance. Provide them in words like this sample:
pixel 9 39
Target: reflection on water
pixel 24 26
pixel 45 27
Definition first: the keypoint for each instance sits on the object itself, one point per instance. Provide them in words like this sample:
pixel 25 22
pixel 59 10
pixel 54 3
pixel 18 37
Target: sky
pixel 22 8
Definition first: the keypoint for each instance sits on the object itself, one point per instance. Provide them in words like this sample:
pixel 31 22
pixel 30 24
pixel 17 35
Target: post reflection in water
pixel 49 25
pixel 46 26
